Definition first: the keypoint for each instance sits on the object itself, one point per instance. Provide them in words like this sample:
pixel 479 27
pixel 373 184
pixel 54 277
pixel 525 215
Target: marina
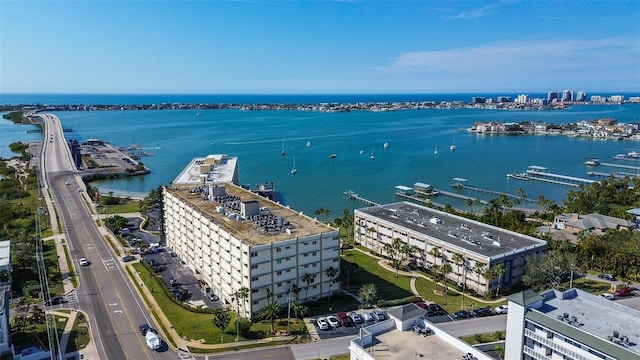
pixel 541 173
pixel 354 196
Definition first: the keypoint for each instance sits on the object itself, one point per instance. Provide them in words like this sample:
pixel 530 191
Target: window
pixel 314 242
pixel 278 249
pixel 254 266
pixel 279 273
pixel 287 247
pixel 279 261
pixel 254 254
pixel 255 278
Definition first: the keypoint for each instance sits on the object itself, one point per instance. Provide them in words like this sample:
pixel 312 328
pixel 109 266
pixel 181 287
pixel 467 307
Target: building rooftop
pixel 468 235
pixel 396 344
pixel 579 314
pixel 248 216
pixel 210 169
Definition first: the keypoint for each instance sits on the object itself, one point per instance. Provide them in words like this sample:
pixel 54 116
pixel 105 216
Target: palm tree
pixel 459 260
pixel 445 270
pixel 242 294
pixel 489 274
pixel 435 270
pixel 295 289
pixel 270 312
pixel 435 252
pixel 478 268
pixel 308 279
pixel 331 273
pixel 499 270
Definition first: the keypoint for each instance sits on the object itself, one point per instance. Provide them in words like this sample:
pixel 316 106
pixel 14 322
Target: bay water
pixel 258 137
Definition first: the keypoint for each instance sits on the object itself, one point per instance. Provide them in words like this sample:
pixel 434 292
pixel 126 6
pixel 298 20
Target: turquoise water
pixel 256 138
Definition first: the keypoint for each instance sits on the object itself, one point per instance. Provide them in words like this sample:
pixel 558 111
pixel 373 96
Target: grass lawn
pixel 484 338
pixel 192 325
pixel 122 208
pixel 454 300
pixel 365 270
pixel 79 337
pixel 335 304
pixel 592 286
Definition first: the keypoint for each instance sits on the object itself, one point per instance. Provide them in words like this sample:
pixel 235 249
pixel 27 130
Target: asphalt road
pixel 104 293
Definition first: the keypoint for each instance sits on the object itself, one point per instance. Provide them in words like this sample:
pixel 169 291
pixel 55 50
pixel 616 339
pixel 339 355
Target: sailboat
pixel 453 145
pixel 361 151
pixel 373 157
pixel 294 170
pixel 386 145
pixel 435 152
pixel 282 153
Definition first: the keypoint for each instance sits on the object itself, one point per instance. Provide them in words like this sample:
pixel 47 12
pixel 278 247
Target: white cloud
pixel 475 13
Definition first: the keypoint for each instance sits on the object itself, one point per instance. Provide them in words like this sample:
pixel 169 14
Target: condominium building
pixel 233 238
pixel 572 324
pixel 5 289
pixel 470 247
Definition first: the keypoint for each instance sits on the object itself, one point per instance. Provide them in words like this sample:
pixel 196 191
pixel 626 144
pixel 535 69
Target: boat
pixel 453 146
pixel 521 176
pixel 386 145
pixel 373 157
pixel 592 162
pixel 332 156
pixel 308 143
pixel 361 151
pixel 294 170
pixel 197 114
pixel 282 153
pixel 435 152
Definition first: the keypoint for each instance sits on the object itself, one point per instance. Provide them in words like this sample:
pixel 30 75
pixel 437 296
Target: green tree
pixel 242 294
pixel 445 270
pixel 368 293
pixel 489 274
pixel 331 273
pixel 308 279
pixel 460 261
pixel 499 270
pixel 479 269
pixel 221 320
pixel 270 312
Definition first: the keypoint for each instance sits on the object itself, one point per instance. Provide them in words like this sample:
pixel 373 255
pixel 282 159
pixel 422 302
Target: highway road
pixel 104 290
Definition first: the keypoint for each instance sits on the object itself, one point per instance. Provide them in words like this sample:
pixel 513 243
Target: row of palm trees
pixel 400 252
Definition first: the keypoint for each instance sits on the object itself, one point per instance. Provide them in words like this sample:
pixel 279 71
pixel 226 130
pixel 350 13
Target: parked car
pixel 54 301
pixel 213 297
pixel 462 314
pixel 625 291
pixel 355 317
pixel 322 324
pixel 333 321
pixel 83 262
pixel 180 294
pixel 422 304
pixel 174 282
pixel 482 312
pixel 379 315
pixel 608 296
pixel 345 320
pixel 366 316
pixel 128 258
pixel 502 309
pixel 437 309
pixel 607 277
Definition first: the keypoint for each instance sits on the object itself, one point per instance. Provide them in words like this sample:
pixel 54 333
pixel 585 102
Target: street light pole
pixel 288 312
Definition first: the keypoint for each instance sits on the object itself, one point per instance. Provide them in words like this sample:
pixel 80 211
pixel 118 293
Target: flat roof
pixel 296 224
pixel 396 344
pixel 222 172
pixel 595 317
pixel 469 235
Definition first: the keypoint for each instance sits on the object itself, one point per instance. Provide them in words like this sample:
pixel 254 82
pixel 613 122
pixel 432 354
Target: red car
pixel 625 291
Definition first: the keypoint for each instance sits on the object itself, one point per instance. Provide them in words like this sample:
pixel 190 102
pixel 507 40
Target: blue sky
pixel 273 46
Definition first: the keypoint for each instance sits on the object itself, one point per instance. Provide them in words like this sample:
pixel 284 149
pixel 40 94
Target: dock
pixel 354 196
pixel 540 173
pixel 486 191
pixel 621 166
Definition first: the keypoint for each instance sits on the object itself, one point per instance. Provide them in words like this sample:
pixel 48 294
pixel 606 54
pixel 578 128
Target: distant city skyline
pixel 319 47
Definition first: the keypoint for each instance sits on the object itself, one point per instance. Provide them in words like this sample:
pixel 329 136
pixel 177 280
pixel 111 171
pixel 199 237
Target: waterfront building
pixel 208 170
pixel 477 100
pixel 570 325
pixel 581 96
pixel 503 99
pixel 616 99
pixel 439 238
pixel 232 238
pixel 552 96
pixel 593 223
pixel 5 289
pixel 522 99
pixel 567 95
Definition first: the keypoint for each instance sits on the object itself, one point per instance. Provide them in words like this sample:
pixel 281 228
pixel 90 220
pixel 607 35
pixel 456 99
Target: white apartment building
pixel 570 325
pixel 233 238
pixel 428 229
pixel 5 289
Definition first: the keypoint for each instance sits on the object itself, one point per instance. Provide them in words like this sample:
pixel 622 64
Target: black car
pixel 607 277
pixel 462 314
pixel 54 301
pixel 144 328
pixel 128 258
pixel 437 309
pixel 180 294
pixel 483 311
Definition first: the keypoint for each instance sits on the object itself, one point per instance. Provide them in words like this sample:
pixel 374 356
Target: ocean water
pixel 257 138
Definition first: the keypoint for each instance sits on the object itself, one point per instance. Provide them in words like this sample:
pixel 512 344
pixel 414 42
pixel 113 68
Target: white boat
pixel 308 143
pixel 282 153
pixel 361 151
pixel 332 156
pixel 386 145
pixel 373 157
pixel 453 145
pixel 435 152
pixel 592 162
pixel 294 170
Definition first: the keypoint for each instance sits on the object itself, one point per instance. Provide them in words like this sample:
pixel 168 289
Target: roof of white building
pixel 471 236
pixel 592 324
pixel 222 171
pixel 274 222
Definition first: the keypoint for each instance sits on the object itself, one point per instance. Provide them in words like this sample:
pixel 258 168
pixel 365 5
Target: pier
pixel 621 166
pixel 354 196
pixel 486 191
pixel 540 173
